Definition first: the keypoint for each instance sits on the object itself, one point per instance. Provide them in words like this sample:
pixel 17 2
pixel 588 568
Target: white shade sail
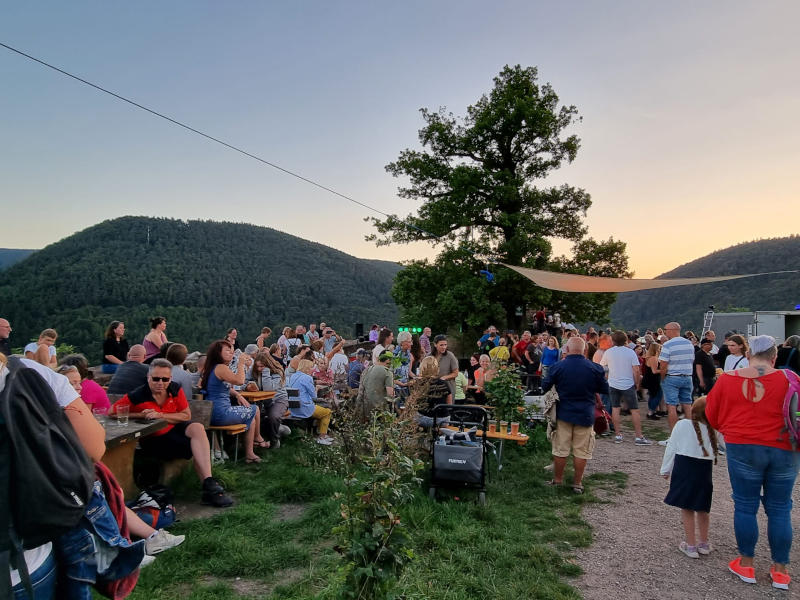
pixel 567 282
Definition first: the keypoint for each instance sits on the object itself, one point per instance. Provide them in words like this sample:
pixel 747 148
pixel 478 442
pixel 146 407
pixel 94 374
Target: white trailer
pixel 780 324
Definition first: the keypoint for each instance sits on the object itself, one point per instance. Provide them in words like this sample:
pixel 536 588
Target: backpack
pixel 155 506
pixel 45 476
pixel 791 410
pixel 293 348
pixel 488 345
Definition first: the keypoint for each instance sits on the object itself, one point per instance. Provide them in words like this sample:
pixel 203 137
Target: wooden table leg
pixel 119 460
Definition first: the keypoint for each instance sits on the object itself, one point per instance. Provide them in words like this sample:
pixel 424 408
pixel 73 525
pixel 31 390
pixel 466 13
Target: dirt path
pixel 635 550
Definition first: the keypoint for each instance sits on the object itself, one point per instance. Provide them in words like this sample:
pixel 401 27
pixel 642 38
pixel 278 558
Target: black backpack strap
pixel 11 552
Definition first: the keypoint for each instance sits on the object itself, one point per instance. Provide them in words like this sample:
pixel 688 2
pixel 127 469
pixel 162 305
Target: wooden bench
pixel 216 437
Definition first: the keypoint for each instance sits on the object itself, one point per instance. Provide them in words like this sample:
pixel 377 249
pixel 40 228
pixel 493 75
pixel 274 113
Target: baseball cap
pixel 760 343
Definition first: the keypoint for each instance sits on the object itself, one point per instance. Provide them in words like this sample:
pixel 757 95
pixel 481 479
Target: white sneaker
pixel 284 430
pixel 146 560
pixel 690 551
pixel 663 442
pixel 325 441
pixel 642 441
pixel 162 540
pixel 617 439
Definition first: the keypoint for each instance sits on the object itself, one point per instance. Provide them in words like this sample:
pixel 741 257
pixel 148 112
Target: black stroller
pixel 459 456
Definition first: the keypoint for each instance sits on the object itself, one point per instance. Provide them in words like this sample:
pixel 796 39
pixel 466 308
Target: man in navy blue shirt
pixel 577 380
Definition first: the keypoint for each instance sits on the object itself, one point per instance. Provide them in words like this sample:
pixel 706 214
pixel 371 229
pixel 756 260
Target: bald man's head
pixel 672 330
pixel 576 345
pixel 5 329
pixel 137 353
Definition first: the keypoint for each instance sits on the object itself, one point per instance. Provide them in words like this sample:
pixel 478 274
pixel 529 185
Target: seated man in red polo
pixel 161 398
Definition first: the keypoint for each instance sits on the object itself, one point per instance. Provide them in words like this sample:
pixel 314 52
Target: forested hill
pixel 10 256
pixel 203 276
pixel 686 304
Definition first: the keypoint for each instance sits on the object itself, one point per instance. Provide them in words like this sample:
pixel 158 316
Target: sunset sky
pixel 690 132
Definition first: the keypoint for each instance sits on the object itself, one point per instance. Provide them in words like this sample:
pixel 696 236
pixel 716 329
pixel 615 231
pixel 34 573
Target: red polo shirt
pixel 142 398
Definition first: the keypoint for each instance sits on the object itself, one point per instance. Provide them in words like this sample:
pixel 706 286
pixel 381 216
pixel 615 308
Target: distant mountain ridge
pixel 11 256
pixel 203 276
pixel 686 304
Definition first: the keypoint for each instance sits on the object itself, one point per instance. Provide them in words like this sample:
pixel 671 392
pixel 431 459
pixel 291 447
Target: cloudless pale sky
pixel 689 113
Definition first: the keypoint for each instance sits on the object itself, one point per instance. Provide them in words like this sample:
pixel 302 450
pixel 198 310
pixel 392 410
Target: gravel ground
pixel 635 550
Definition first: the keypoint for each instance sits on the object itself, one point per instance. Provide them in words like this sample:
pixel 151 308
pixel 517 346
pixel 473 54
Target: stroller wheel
pixel 432 493
pixel 482 498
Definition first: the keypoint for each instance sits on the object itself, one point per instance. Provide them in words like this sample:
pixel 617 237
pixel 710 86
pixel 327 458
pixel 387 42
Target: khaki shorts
pixel 577 438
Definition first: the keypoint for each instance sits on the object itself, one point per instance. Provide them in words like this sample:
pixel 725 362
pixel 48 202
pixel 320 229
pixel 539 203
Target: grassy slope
pixel 517 546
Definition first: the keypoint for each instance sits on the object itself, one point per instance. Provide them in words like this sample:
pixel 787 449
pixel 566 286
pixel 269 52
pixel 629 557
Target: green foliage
pixel 273 543
pixel 686 304
pixel 203 276
pixel 475 181
pixel 381 477
pixel 505 392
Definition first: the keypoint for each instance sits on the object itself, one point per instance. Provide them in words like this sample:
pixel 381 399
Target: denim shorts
pixel 677 389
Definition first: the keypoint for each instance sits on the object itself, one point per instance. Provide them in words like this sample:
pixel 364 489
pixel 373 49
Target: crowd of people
pixel 733 400
pixel 702 389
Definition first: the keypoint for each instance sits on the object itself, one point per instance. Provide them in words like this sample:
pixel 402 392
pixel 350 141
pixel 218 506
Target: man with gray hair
pixel 130 374
pixel 577 380
pixel 162 398
pixel 5 331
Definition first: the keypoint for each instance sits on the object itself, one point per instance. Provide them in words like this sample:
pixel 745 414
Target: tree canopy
pixel 475 178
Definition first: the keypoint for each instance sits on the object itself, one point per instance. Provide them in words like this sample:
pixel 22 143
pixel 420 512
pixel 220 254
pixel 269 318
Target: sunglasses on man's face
pixel 157 379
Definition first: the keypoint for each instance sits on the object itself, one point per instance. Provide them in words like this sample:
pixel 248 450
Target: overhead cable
pixel 210 137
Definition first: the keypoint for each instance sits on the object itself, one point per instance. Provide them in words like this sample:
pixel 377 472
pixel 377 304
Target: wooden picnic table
pixel 257 396
pixel 121 444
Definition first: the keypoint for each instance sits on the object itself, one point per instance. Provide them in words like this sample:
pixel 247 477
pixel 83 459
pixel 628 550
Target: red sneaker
pixel 746 574
pixel 779 580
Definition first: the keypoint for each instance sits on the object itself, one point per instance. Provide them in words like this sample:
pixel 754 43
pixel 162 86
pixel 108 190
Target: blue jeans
pixel 654 400
pixel 677 390
pixel 43 582
pixel 76 550
pixel 751 468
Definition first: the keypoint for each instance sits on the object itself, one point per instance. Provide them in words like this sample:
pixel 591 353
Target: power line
pixel 211 137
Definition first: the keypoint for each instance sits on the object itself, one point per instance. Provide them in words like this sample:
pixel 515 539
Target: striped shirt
pixel 678 353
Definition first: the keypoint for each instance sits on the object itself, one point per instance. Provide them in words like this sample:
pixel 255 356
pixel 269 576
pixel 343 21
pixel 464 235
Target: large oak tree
pixel 476 181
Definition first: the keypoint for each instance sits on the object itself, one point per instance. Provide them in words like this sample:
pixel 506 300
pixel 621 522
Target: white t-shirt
pixel 620 361
pixel 65 395
pixel 34 346
pixel 339 363
pixel 735 362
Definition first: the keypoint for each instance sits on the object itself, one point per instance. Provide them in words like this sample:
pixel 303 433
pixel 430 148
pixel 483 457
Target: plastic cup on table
pixel 504 427
pixel 101 415
pixel 492 426
pixel 122 415
pixel 514 428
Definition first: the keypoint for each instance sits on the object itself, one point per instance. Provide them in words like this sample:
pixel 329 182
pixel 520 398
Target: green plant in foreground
pixel 505 393
pixel 382 475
